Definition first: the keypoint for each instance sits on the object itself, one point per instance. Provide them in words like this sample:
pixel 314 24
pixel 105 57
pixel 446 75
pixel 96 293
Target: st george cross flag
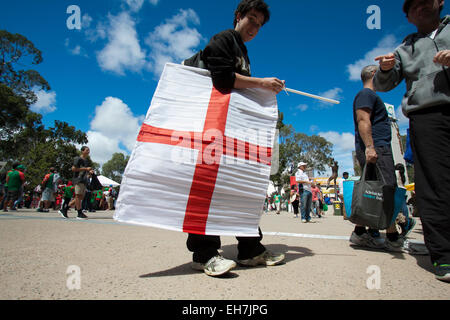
pixel 202 159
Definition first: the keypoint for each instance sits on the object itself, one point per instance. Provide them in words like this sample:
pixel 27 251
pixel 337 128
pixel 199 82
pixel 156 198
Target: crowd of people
pixel 52 193
pixel 422 60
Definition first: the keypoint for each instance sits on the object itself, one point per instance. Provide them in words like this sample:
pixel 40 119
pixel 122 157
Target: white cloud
pixel 123 51
pixel 331 94
pixel 385 46
pixel 102 147
pixel 46 101
pixel 86 21
pixel 174 40
pixel 108 131
pixel 302 107
pixel 343 145
pixel 136 5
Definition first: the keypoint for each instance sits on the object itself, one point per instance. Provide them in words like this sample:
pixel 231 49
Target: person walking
pixel 226 58
pixel 306 197
pixel 14 180
pixel 423 61
pixel 315 198
pixel 295 199
pixel 80 168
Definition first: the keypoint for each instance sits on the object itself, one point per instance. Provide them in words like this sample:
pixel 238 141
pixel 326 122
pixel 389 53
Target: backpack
pixel 195 61
pixel 44 182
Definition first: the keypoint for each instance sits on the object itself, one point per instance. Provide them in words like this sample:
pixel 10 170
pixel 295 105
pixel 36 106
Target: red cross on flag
pixel 202 159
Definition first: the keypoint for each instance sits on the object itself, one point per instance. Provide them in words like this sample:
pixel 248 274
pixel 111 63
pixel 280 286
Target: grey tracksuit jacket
pixel 427 83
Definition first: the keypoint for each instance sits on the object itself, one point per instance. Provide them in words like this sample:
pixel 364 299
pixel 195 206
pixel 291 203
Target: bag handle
pixel 363 177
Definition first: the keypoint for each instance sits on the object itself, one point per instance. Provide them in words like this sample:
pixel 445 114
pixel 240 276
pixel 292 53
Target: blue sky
pixel 103 75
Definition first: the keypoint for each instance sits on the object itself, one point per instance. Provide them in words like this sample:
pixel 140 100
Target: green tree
pixel 295 147
pixel 115 167
pixel 23 136
pixel 16 50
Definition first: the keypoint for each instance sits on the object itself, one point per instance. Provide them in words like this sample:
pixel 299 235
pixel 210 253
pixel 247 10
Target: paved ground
pixel 117 261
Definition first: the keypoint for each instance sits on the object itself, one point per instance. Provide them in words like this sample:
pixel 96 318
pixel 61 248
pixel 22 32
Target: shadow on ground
pixel 230 252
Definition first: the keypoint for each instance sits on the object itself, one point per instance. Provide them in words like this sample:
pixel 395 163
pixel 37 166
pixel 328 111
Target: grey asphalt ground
pixel 116 261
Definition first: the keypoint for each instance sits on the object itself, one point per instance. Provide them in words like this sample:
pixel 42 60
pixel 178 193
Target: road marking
pixel 102 221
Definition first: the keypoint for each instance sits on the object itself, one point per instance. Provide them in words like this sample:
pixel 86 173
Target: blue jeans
pixel 306 205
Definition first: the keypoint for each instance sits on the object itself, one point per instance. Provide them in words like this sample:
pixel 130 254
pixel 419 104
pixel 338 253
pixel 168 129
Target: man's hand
pixel 442 57
pixel 387 62
pixel 371 155
pixel 273 84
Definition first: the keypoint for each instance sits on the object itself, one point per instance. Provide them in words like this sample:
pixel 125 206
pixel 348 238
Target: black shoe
pixel 82 216
pixel 63 214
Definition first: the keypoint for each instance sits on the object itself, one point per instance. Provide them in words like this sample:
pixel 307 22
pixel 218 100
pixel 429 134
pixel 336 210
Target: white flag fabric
pixel 202 159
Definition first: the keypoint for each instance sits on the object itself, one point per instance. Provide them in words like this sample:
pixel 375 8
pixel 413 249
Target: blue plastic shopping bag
pixel 399 198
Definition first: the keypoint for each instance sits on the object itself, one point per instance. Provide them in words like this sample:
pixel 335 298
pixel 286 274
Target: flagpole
pixel 312 96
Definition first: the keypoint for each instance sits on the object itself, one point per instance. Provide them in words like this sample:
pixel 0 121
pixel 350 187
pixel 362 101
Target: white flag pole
pixel 312 96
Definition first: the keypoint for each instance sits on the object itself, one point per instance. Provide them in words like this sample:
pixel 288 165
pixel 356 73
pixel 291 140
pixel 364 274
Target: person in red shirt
pixel 316 197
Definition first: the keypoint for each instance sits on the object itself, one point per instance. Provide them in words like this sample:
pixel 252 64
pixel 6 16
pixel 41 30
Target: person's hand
pixel 371 155
pixel 442 57
pixel 387 62
pixel 273 84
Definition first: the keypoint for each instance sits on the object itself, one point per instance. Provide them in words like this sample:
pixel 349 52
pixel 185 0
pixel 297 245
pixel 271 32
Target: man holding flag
pixel 226 58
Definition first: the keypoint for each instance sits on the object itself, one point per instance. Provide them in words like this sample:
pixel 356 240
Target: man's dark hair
pixel 345 173
pixel 407 5
pixel 245 6
pixel 84 148
pixel 367 72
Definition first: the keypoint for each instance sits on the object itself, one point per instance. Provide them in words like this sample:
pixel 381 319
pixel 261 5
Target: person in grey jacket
pixel 423 60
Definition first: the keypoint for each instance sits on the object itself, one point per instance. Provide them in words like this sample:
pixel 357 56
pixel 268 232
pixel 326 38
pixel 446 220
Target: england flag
pixel 202 159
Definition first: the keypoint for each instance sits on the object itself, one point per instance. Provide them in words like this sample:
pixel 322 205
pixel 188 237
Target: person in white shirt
pixel 306 199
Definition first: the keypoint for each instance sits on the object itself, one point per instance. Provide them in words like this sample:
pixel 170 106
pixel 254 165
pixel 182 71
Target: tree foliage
pixel 295 147
pixel 115 167
pixel 24 138
pixel 16 50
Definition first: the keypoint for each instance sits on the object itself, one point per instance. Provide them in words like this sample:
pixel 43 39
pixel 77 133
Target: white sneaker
pixel 403 245
pixel 216 266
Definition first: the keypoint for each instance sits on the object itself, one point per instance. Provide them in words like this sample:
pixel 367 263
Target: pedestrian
pixel 69 190
pixel 423 61
pixel 49 186
pixel 315 197
pixel 14 180
pixel 306 197
pixel 277 201
pixel 345 177
pixel 226 58
pixel 403 220
pixel 80 168
pixel 295 199
pixel 19 201
pixel 373 145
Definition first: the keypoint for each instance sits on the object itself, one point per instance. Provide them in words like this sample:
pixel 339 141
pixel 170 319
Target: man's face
pixel 249 25
pixel 422 12
pixel 86 152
